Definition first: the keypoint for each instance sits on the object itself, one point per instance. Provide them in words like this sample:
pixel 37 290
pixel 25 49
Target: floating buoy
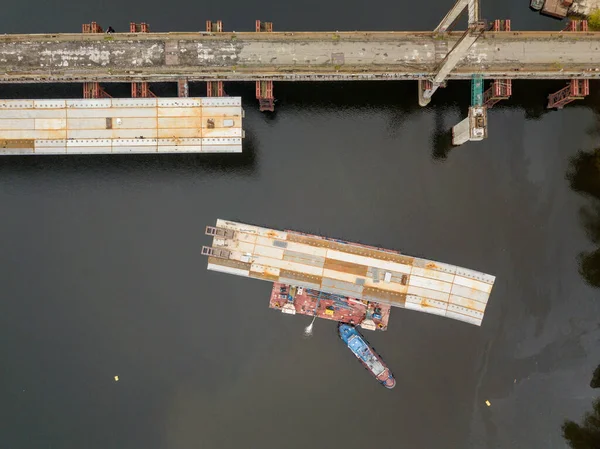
pixel 488 403
pixel 116 378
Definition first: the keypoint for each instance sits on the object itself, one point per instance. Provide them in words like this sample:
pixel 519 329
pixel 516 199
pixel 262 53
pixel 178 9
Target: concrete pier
pixel 126 57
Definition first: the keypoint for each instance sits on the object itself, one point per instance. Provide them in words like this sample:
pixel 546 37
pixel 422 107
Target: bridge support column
pixel 140 89
pixel 500 89
pixel 453 57
pixel 265 27
pixel 264 89
pixel 214 27
pixel 183 88
pixel 214 88
pixel 93 89
pixel 264 95
pixel 576 89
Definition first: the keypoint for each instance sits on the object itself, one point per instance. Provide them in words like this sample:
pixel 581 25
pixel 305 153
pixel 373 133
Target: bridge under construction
pixel 484 51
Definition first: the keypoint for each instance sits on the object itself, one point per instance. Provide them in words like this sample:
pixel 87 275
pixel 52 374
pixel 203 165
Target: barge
pixel 353 270
pixel 292 300
pixel 121 126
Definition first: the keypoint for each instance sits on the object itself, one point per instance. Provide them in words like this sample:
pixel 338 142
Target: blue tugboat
pixel 366 355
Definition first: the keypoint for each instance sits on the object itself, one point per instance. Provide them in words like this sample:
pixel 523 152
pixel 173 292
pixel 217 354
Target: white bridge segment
pixel 353 270
pixel 121 125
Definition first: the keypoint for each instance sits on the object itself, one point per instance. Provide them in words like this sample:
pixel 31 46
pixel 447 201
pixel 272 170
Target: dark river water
pixel 101 273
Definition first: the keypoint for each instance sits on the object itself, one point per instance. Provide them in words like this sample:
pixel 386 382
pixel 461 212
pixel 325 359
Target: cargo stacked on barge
pixel 294 300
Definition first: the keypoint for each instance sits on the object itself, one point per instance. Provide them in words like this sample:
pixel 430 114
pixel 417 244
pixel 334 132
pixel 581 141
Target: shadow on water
pixel 587 434
pixel 232 163
pixel 584 178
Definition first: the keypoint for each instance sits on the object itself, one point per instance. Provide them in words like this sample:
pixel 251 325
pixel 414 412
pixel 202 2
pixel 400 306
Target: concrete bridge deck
pixel 287 56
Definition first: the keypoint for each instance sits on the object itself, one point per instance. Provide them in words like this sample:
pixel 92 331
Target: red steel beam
pixel 215 89
pixel 575 90
pixel 214 27
pixel 264 95
pixel 500 89
pixel 140 89
pixel 266 27
pixel 94 90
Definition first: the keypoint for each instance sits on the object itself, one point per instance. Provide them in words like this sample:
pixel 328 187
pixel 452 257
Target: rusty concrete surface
pixel 292 56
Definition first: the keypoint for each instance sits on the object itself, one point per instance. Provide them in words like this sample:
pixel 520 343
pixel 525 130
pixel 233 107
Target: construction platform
pixel 294 56
pixel 349 269
pixel 121 125
pixel 343 309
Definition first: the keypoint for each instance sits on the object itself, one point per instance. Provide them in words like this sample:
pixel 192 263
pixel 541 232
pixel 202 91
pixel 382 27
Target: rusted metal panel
pixel 131 103
pixel 467 303
pixel 230 270
pixel 306 259
pixel 469 293
pixel 363 260
pixel 378 295
pixel 426 305
pixel 426 293
pixel 230 263
pixel 299 283
pixel 178 122
pixel 334 284
pixel 243 237
pixel 431 284
pixel 305 248
pixel 265 269
pixel 122 113
pixel 377 275
pixel 476 275
pixel 17 124
pixel 297 277
pixel 432 274
pixel 179 132
pixel 435 266
pixel 287 265
pixel 340 275
pixel 264 276
pixel 471 283
pixel 346 267
pixel 17 144
pixel 179 112
pixel 269 251
pixel 90 103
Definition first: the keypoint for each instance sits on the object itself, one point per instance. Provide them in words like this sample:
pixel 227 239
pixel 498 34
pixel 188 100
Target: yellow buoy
pixel 116 378
pixel 488 403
